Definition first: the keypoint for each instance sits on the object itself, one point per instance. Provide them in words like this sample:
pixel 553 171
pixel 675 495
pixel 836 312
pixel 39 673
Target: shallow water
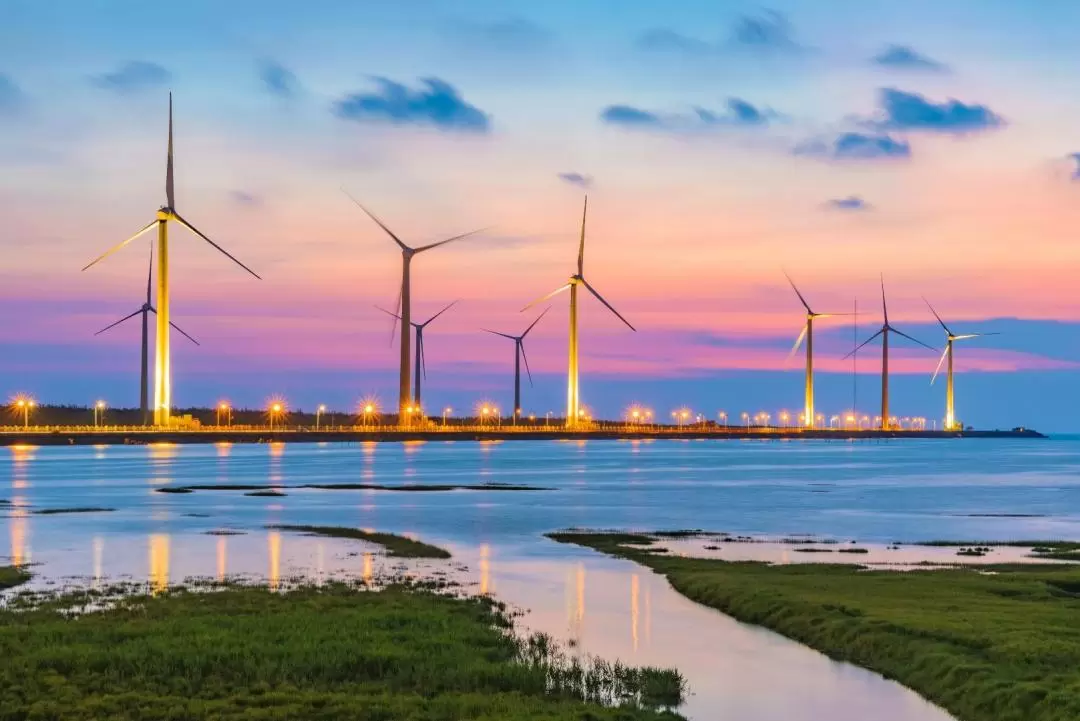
pixel 873 492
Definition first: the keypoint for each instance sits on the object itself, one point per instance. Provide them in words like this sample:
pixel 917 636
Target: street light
pixel 99 413
pixel 25 405
pixel 484 414
pixel 445 412
pixel 723 418
pixel 746 419
pixel 276 409
pixel 318 416
pixel 223 409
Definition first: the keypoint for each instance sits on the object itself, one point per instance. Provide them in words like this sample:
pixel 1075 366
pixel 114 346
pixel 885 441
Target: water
pixel 874 492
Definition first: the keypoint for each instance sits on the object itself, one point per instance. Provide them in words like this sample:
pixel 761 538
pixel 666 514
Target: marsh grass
pixel 267 493
pixel 11 576
pixel 311 652
pixel 998 643
pixel 397 546
pixel 76 509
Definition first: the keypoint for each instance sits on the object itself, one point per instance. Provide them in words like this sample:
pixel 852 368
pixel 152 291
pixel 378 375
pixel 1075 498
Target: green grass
pixel 1000 646
pixel 11 576
pixel 329 652
pixel 78 509
pixel 395 545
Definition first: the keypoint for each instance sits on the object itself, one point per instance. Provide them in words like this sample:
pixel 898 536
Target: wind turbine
pixel 421 361
pixel 519 355
pixel 404 301
pixel 573 398
pixel 144 311
pixel 807 334
pixel 884 331
pixel 950 338
pixel 162 356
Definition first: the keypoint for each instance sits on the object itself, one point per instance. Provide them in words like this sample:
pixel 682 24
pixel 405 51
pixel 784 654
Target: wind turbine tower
pixel 573 396
pixel 421 359
pixel 950 338
pixel 144 375
pixel 404 303
pixel 807 334
pixel 519 356
pixel 162 355
pixel 884 331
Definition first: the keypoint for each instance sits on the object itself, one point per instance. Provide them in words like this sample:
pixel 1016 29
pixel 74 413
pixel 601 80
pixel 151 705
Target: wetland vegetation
pixel 395 545
pixel 314 652
pixel 997 643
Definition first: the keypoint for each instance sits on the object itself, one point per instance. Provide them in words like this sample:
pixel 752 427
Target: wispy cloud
pixel 133 77
pixel 769 31
pixel 278 79
pixel 512 35
pixel 739 113
pixel 850 203
pixel 856 146
pixel 901 110
pixel 436 103
pixel 903 57
pixel 581 181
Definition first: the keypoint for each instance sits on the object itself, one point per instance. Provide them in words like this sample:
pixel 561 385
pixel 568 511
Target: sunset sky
pixel 720 143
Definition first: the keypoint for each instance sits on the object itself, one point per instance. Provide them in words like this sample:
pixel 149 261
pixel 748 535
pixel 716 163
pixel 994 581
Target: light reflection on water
pixel 881 492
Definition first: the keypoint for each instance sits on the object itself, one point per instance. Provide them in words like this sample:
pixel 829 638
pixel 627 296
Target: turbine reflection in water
pixel 221 556
pixel 485 569
pixel 159 562
pixel 634 591
pixel 274 542
pixel 99 553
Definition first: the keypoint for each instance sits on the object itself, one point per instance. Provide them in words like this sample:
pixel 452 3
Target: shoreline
pixel 140 436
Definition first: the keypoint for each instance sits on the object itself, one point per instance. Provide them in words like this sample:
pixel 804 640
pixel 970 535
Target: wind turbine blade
pixel 860 346
pixel 113 325
pixel 521 345
pixel 939 320
pixel 801 299
pixel 553 293
pixel 798 342
pixel 939 363
pixel 535 321
pixel 495 332
pixel 429 246
pixel 609 306
pixel 966 336
pixel 441 312
pixel 181 331
pixel 384 310
pixel 397 316
pixel 150 274
pixel 884 307
pixel 423 356
pixel 377 221
pixel 174 325
pixel 913 340
pixel 118 246
pixel 169 163
pixel 581 246
pixel 224 252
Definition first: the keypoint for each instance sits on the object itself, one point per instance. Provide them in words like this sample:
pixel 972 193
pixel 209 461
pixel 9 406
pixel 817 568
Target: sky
pixel 720 143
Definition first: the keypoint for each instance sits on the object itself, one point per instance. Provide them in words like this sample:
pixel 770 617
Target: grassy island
pixel 998 643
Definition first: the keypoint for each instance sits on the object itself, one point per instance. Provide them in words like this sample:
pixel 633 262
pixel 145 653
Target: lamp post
pixel 445 412
pixel 225 410
pixel 25 405
pixel 484 415
pixel 369 408
pixel 723 418
pixel 99 413
pixel 746 419
pixel 275 411
pixel 318 416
